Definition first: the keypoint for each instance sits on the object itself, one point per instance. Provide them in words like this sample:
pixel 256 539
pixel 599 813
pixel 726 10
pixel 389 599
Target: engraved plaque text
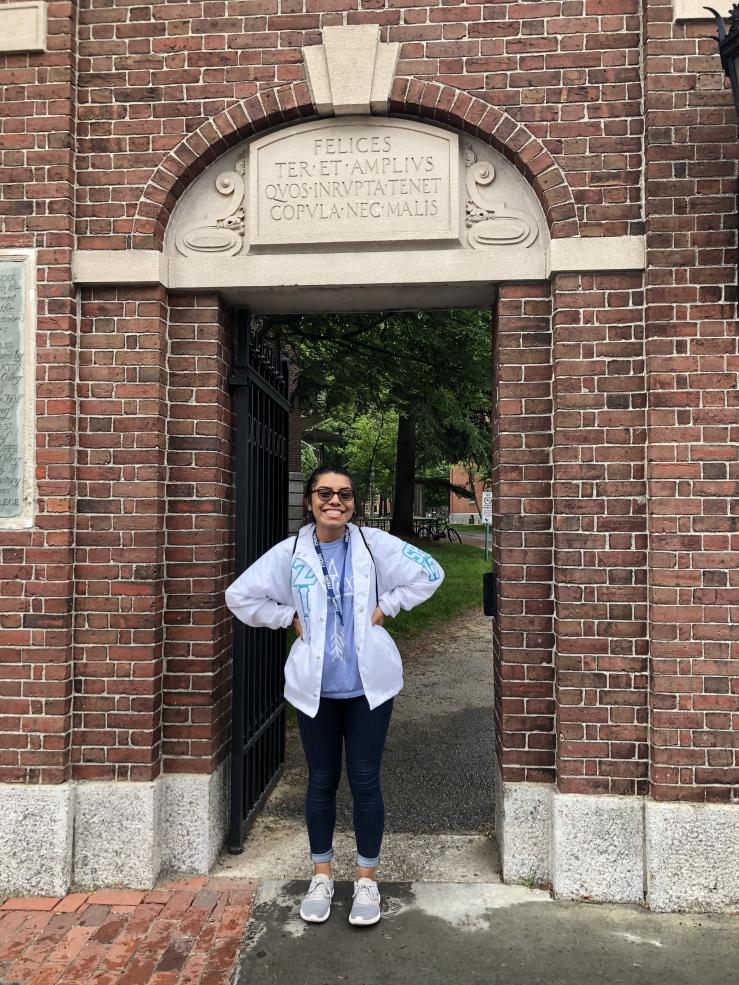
pixel 351 181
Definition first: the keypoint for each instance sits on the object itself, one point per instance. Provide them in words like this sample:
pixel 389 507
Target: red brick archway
pixel 409 97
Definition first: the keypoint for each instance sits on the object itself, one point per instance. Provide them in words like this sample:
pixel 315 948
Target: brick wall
pixel 37 193
pixel 693 415
pixel 199 551
pixel 458 476
pixel 564 72
pixel 600 543
pixel 120 533
pixel 522 533
pixel 601 105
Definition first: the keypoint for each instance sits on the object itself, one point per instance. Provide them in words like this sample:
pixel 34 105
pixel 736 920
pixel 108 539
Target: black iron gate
pixel 260 384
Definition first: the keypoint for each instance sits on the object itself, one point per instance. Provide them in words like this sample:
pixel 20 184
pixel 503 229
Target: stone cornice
pixel 389 267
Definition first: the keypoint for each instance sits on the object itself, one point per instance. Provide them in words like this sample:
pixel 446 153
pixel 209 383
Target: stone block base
pixel 36 825
pixel 195 819
pixel 693 857
pixel 598 848
pixel 523 824
pixel 673 857
pixel 109 834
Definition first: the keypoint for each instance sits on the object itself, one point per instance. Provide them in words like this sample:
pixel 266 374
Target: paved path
pixel 447 920
pixel 437 774
pixel 184 933
pixel 444 934
pixel 475 537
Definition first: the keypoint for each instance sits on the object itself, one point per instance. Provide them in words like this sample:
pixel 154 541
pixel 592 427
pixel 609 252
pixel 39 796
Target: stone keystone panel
pixel 352 71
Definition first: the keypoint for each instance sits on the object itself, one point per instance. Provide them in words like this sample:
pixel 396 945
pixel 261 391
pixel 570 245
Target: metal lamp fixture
pixel 728 47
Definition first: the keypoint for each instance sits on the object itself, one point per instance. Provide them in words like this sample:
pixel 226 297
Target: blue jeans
pixel 345 722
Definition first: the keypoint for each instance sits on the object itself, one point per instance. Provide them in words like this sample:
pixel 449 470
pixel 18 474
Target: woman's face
pixel 334 514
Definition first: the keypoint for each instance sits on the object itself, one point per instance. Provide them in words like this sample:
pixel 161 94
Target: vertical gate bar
pixel 274 506
pixel 284 485
pixel 258 747
pixel 261 505
pixel 239 629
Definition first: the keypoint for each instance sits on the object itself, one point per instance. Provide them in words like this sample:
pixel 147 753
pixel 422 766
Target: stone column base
pixel 104 833
pixel 673 857
pixel 36 839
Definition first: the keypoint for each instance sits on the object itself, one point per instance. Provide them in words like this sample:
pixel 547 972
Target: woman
pixel 336 584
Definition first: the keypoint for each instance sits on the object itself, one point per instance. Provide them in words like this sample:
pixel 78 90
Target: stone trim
pixel 117 833
pixel 28 258
pixel 409 97
pixel 523 826
pixel 591 254
pixel 691 10
pixel 23 26
pixel 352 71
pixel 194 819
pixel 675 857
pixel 692 856
pixel 320 269
pixel 36 839
pixel 598 848
pixel 110 833
pixel 119 267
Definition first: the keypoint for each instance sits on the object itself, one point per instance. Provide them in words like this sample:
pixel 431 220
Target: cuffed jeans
pixel 345 722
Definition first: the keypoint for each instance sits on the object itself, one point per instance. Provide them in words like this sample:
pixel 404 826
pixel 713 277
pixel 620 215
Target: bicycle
pixel 438 531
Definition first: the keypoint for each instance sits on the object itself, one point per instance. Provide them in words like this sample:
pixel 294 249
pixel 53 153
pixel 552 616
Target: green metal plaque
pixel 12 387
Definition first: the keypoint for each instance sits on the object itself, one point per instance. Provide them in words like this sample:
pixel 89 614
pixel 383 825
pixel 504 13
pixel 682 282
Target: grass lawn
pixel 463 566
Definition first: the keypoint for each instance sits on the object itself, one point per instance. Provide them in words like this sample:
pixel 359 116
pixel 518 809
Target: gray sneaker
pixel 316 906
pixel 366 905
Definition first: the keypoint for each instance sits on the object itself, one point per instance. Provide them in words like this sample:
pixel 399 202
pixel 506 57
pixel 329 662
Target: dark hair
pixel 310 485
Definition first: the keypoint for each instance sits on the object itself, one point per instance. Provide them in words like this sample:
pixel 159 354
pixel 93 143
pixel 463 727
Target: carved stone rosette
pixel 222 232
pixel 490 222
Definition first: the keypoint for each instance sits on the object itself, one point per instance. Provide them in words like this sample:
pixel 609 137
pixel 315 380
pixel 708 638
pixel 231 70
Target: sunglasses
pixel 325 494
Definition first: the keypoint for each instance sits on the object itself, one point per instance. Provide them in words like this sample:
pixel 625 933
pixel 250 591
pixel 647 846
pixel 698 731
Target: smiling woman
pixel 336 585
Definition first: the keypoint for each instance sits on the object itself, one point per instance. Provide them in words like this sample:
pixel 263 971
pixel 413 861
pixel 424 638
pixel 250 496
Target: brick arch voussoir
pixel 470 114
pixel 409 97
pixel 269 108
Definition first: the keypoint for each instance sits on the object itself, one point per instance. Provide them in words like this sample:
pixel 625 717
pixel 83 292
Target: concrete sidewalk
pixel 216 932
pixel 465 934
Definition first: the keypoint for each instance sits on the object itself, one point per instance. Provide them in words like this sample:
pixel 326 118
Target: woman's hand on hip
pixel 378 617
pixel 297 627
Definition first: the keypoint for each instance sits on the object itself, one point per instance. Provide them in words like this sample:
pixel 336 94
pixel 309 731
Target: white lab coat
pixel 283 582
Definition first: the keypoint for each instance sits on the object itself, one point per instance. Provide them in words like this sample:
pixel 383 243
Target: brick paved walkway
pixel 184 933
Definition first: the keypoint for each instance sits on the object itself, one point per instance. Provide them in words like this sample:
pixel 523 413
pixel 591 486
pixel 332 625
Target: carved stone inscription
pixel 354 181
pixel 12 292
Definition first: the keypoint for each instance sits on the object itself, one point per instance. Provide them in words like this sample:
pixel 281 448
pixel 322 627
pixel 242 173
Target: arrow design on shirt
pixel 336 640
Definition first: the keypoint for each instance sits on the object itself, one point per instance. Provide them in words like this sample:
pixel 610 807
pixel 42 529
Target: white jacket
pixel 281 583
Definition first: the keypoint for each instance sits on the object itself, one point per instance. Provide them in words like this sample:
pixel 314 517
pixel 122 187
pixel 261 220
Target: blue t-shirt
pixel 340 677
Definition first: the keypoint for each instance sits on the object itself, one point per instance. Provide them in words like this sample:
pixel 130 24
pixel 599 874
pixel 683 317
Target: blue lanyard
pixel 338 609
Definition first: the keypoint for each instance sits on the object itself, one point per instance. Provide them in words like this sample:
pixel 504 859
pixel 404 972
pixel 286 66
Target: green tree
pixel 431 368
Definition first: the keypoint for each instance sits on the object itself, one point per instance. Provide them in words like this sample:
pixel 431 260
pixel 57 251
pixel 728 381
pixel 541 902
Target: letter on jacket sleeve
pixel 412 573
pixel 262 595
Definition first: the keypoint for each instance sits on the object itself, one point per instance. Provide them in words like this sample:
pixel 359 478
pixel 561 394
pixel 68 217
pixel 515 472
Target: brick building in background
pixel 615 422
pixel 462 509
